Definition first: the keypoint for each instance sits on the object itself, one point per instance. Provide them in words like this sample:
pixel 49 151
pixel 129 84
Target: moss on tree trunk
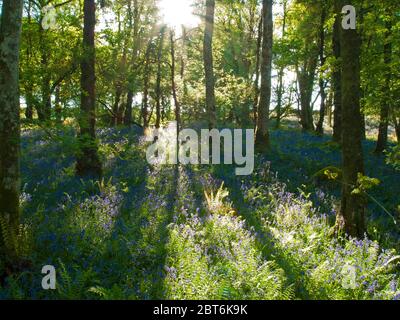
pixel 88 162
pixel 10 34
pixel 262 132
pixel 351 217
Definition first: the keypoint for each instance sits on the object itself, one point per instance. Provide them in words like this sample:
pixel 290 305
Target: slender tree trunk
pixel 363 122
pixel 257 77
pixel 146 80
pixel 184 36
pixel 128 109
pixel 88 162
pixel 46 99
pixel 322 58
pixel 281 74
pixel 159 77
pixel 44 111
pixel 134 21
pixel 115 108
pixel 306 79
pixel 29 102
pixel 337 76
pixel 385 107
pixel 29 86
pixel 121 111
pixel 209 63
pixel 396 127
pixel 10 35
pixel 57 107
pixel 329 108
pixel 173 83
pixel 262 131
pixel 351 217
pixel 185 95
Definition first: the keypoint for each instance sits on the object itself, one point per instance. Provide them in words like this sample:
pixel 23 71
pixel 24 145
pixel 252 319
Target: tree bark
pixel 329 109
pixel 262 131
pixel 116 105
pixel 351 217
pixel 57 107
pixel 209 63
pixel 134 22
pixel 336 77
pixel 146 80
pixel 128 109
pixel 306 78
pixel 10 35
pixel 88 162
pixel 382 142
pixel 257 77
pixel 396 127
pixel 29 86
pixel 320 126
pixel 29 102
pixel 159 77
pixel 173 83
pixel 281 74
pixel 44 109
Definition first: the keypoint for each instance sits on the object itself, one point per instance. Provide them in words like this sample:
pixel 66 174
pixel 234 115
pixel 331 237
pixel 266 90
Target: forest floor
pixel 200 232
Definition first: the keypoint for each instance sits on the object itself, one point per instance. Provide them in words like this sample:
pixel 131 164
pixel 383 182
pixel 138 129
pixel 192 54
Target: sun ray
pixel 176 13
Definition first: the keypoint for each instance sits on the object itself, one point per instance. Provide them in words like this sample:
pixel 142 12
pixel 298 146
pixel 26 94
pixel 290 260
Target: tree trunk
pixel 173 83
pixel 351 217
pixel 29 85
pixel 10 35
pixel 385 107
pixel 88 162
pixel 336 77
pixel 262 132
pixel 257 77
pixel 159 77
pixel 329 109
pixel 363 123
pixel 306 79
pixel 134 21
pixel 116 106
pixel 44 111
pixel 146 80
pixel 128 109
pixel 281 74
pixel 209 63
pixel 57 107
pixel 397 127
pixel 322 58
pixel 29 102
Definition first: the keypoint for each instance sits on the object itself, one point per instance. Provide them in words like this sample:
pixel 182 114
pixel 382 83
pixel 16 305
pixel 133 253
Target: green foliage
pixel 364 184
pixel 329 268
pixel 74 287
pixel 17 242
pixel 393 157
pixel 227 262
pixel 330 173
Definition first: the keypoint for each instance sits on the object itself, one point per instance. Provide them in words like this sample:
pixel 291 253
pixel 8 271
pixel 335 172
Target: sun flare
pixel 176 13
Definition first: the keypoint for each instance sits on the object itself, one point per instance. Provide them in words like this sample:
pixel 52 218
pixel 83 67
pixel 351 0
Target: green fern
pixel 115 293
pixel 17 242
pixel 76 286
